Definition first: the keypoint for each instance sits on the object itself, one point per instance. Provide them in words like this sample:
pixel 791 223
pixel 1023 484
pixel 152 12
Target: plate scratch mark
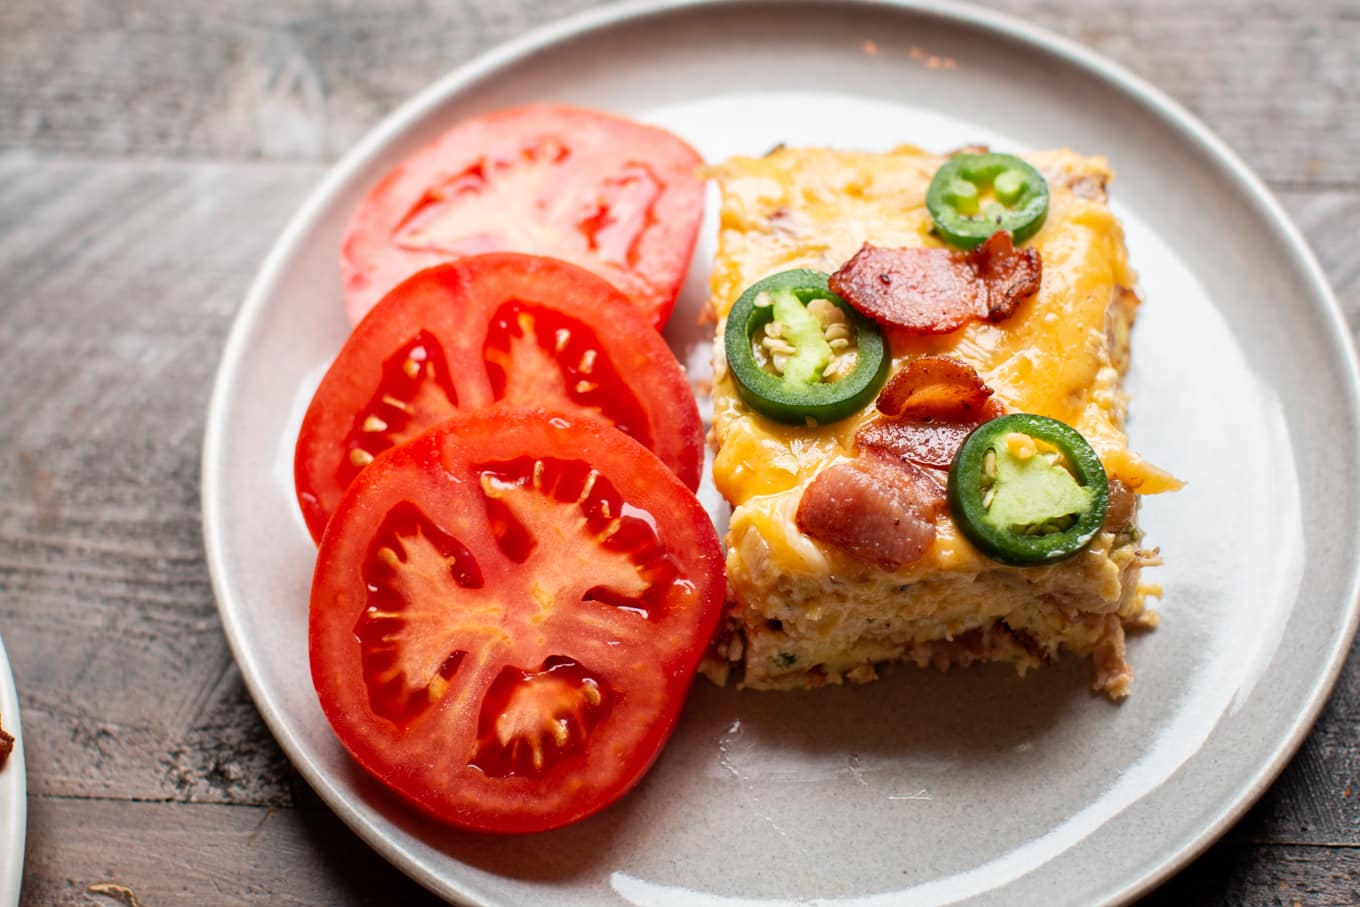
pixel 856 765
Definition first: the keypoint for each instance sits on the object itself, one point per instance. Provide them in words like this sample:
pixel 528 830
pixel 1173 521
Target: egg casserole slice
pixel 802 613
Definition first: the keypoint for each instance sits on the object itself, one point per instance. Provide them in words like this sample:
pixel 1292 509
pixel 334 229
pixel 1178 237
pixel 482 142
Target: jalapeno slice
pixel 974 195
pixel 1021 504
pixel 798 352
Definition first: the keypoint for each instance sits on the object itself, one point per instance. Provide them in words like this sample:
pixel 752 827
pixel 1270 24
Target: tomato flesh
pixel 506 615
pixel 533 720
pixel 416 391
pixel 620 198
pixel 493 330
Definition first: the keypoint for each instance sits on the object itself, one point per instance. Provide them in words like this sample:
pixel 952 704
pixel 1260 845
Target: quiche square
pixel 803 613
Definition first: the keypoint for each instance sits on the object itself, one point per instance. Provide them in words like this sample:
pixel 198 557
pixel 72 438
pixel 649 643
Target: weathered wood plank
pixel 120 285
pixel 303 80
pixel 1233 874
pixel 1330 221
pixel 249 79
pixel 1317 798
pixel 102 852
pixel 166 853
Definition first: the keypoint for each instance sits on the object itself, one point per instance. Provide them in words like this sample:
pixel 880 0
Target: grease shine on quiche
pixel 918 416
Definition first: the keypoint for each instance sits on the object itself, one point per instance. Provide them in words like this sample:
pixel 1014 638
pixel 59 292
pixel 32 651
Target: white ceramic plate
pixel 13 792
pixel 973 787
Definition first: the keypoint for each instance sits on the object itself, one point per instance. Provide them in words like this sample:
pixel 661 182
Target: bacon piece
pixel 1122 507
pixel 876 508
pixel 934 387
pixel 1008 274
pixel 926 291
pixel 934 403
pixel 923 443
pixel 935 291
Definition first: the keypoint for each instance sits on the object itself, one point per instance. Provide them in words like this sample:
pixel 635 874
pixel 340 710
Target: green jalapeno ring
pixel 1020 202
pixel 791 401
pixel 1028 545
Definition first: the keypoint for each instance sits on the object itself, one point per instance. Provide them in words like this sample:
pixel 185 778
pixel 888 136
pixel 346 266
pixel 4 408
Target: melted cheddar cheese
pixel 814 208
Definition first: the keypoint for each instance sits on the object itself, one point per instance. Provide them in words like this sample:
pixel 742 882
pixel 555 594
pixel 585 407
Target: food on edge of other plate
pixel 507 613
pixel 495 329
pixel 617 197
pixel 6 745
pixel 980 506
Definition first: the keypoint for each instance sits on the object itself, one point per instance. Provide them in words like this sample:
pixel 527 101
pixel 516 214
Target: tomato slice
pixel 616 197
pixel 506 615
pixel 503 329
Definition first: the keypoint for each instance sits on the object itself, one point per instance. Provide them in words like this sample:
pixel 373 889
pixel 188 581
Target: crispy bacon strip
pixel 923 443
pixel 876 508
pixel 935 291
pixel 934 387
pixel 1009 274
pixel 933 403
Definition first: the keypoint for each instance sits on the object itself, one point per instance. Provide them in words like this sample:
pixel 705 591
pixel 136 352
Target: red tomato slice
pixel 616 197
pixel 506 616
pixel 499 329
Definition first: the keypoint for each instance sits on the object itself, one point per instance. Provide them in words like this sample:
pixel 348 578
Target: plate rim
pixel 518 48
pixel 9 698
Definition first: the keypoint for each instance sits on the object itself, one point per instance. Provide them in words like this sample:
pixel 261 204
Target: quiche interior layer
pixel 801 613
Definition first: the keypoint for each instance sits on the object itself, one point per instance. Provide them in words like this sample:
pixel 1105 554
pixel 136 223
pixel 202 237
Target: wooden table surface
pixel 150 153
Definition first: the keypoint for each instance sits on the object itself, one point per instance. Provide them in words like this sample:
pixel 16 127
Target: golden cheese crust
pixel 802 613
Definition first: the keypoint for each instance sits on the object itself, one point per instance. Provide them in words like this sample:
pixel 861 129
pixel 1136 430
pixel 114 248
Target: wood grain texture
pixel 119 288
pixel 150 153
pixel 1330 221
pixel 252 856
pixel 202 79
pixel 1249 875
pixel 175 853
pixel 195 78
